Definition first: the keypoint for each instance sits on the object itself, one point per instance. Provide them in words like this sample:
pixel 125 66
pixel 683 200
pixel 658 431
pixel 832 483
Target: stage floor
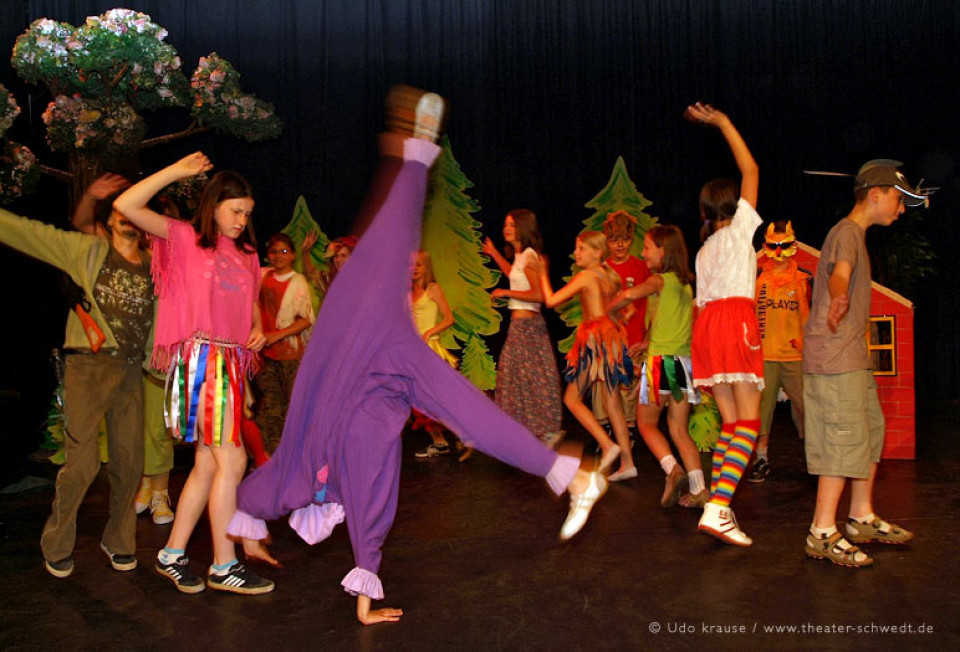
pixel 475 563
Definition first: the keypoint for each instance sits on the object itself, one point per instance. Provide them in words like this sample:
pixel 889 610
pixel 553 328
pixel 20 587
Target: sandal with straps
pixel 829 548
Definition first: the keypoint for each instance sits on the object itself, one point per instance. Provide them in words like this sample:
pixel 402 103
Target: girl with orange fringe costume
pixel 207 338
pixel 666 376
pixel 599 352
pixel 726 348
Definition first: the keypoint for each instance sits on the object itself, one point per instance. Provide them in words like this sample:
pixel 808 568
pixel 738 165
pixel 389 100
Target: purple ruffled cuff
pixel 316 522
pixel 246 527
pixel 420 150
pixel 562 472
pixel 363 582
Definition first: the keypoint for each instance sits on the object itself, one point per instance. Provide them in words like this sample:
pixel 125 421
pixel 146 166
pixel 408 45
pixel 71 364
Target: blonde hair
pixel 428 276
pixel 596 240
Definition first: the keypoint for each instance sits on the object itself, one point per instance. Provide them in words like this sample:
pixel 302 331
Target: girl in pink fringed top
pixel 208 332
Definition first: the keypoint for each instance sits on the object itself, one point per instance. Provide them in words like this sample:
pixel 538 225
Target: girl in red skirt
pixel 726 352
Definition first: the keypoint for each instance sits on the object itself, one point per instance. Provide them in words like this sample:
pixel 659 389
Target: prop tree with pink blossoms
pixel 105 73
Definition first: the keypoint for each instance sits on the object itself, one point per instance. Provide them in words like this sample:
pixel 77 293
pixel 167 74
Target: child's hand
pixel 500 293
pixel 257 339
pixel 488 248
pixel 192 165
pixel 704 114
pixel 105 185
pixel 536 265
pixel 272 338
pixel 368 617
pixel 308 241
pixel 636 351
pixel 838 310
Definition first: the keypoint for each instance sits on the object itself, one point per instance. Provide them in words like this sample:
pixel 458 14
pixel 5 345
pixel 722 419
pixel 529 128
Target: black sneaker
pixel 61 569
pixel 119 562
pixel 240 579
pixel 759 472
pixel 179 573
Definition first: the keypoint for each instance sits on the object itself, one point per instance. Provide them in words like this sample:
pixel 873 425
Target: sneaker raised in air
pixel 239 579
pixel 759 472
pixel 160 508
pixel 119 562
pixel 61 569
pixel 179 573
pixel 429 112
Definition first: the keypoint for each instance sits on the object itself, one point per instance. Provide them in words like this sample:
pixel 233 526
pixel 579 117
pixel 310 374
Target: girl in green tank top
pixel 666 377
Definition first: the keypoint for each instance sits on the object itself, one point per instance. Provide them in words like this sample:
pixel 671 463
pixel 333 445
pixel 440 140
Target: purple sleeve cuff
pixel 420 150
pixel 316 522
pixel 246 527
pixel 562 472
pixel 363 582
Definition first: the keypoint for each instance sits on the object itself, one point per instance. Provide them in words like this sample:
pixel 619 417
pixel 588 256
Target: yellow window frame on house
pixel 882 344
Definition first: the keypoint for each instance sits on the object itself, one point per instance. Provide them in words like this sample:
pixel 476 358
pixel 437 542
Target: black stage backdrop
pixel 544 96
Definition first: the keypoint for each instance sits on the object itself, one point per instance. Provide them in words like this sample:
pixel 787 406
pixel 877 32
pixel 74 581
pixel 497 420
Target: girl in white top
pixel 528 382
pixel 726 349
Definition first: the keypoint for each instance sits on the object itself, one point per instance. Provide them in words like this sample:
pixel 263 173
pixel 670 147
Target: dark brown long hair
pixel 675 257
pixel 528 230
pixel 223 186
pixel 718 201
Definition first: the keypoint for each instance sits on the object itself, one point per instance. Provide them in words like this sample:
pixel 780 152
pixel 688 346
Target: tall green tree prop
pixel 104 74
pixel 620 194
pixel 452 238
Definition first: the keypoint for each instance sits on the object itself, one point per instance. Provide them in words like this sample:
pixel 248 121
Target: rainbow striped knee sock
pixel 735 461
pixel 719 451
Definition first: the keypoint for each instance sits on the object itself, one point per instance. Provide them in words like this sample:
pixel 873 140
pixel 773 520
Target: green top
pixel 670 317
pixel 79 255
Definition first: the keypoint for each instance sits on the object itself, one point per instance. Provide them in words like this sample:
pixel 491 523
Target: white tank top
pixel 520 282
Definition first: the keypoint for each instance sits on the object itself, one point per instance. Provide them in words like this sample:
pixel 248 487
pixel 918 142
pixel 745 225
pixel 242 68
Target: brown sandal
pixel 829 548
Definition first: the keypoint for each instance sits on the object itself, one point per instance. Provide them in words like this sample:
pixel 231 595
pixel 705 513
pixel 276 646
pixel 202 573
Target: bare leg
pixel 678 417
pixel 231 461
pixel 648 423
pixel 829 490
pixel 583 414
pixel 861 493
pixel 436 434
pixel 193 498
pixel 618 421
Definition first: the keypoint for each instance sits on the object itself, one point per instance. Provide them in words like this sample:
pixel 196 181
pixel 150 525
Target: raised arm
pixel 83 218
pixel 749 171
pixel 133 203
pixel 489 249
pixel 652 285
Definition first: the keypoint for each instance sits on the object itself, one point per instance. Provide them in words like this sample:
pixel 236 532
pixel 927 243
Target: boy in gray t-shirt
pixel 843 421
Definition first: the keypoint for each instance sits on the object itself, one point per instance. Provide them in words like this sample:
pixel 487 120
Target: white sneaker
pixel 720 522
pixel 581 504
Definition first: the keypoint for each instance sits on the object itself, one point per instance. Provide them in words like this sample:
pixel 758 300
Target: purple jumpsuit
pixel 363 370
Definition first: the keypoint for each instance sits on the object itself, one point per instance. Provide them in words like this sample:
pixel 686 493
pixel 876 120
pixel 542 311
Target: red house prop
pixel 890 340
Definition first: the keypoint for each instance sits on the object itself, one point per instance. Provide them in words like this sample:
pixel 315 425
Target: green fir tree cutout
pixel 301 224
pixel 620 194
pixel 452 238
